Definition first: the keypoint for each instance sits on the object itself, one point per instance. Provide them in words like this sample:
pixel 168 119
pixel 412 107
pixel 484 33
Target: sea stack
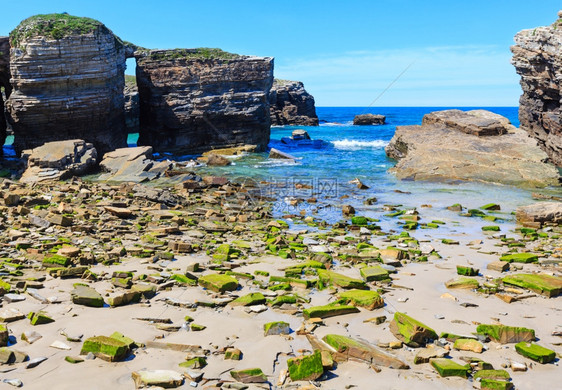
pixel 291 104
pixel 369 119
pixel 195 100
pixel 68 80
pixel 537 57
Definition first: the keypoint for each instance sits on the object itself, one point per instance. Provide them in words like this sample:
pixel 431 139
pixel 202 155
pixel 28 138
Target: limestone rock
pixel 537 57
pixel 68 79
pixel 441 150
pixel 475 122
pixel 132 112
pixel 162 378
pixel 537 214
pixel 87 296
pixel 369 119
pixel 291 104
pixel 193 100
pixel 132 165
pixel 412 332
pixel 59 160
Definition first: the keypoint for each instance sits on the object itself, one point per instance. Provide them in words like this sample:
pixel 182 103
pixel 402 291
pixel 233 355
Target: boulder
pixel 475 122
pixel 367 299
pixel 194 100
pixel 535 352
pixel 306 368
pixel 447 367
pixel 68 79
pixel 537 58
pixel 279 155
pixel 544 284
pixel 537 214
pixel 291 104
pixel 132 165
pixel 506 334
pixel 59 161
pixel 218 283
pixel 410 331
pixel 215 160
pixel 328 311
pixel 251 375
pixel 105 348
pixel 449 150
pixel 162 378
pixel 87 296
pixel 369 119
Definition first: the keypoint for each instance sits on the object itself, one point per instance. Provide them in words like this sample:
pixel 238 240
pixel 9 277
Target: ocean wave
pixel 354 145
pixel 335 124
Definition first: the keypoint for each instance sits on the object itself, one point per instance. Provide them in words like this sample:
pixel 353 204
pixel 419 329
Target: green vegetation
pixel 305 368
pixel 130 79
pixel 55 26
pixel 197 53
pixel 535 352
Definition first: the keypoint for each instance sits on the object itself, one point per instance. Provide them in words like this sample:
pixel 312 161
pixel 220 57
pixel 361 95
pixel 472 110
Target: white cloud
pixel 439 76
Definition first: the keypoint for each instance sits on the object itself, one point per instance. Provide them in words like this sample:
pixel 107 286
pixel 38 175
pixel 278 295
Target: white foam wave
pixel 354 145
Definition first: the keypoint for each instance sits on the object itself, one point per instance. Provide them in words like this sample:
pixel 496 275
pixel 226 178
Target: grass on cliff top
pixel 198 53
pixel 55 26
pixel 130 79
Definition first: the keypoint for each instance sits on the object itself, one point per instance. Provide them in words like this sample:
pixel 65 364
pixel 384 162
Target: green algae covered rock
pixel 467 271
pixel 251 375
pixel 327 311
pixel 491 207
pixel 493 384
pixel 520 258
pixel 306 368
pixel 4 335
pixel 233 354
pixel 86 296
pixel 359 221
pixel 506 334
pixel 462 282
pixel 5 287
pixel 447 367
pixel 492 374
pixel 218 283
pixel 197 363
pixel 376 273
pixel 225 253
pixel 339 280
pixel 276 328
pixel 39 318
pixel 249 300
pixel 468 345
pixel 410 331
pixel 124 339
pixel 157 378
pixel 183 279
pixel 59 260
pixel 368 299
pixel 105 348
pixel 535 352
pixel 547 285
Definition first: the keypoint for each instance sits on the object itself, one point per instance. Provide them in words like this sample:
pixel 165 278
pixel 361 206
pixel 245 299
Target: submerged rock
pixel 447 150
pixel 290 104
pixel 369 119
pixel 68 79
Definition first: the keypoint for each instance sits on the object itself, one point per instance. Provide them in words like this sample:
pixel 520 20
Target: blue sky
pixel 346 52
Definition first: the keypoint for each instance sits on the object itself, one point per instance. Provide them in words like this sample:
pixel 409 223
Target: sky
pixel 447 53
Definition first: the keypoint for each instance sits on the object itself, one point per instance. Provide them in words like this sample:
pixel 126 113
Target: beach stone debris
pixel 520 258
pixel 410 331
pixel 494 384
pixel 250 375
pixel 306 367
pixel 544 284
pixel 249 300
pixel 4 335
pixel 372 274
pixel 87 296
pixel 462 283
pixel 133 165
pixel 13 382
pixel 215 160
pixel 59 160
pixel 446 148
pixel 367 299
pixel 30 336
pixel 340 280
pixel 426 354
pixel 327 311
pixel 105 348
pixel 535 352
pixel 348 210
pixel 279 155
pixel 291 104
pixel 506 334
pixel 35 362
pixel 468 345
pixel 123 298
pixel 447 367
pixel 232 354
pixel 369 119
pixel 218 283
pixel 276 328
pixel 537 214
pixel 10 315
pixel 162 378
pixel 500 266
pixel 39 318
pixel 467 271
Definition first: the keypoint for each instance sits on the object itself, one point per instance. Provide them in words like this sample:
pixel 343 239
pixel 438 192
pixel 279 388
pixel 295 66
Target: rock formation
pixel 193 100
pixel 68 80
pixel 4 83
pixel 537 57
pixel 369 119
pixel 290 104
pixel 132 165
pixel 132 112
pixel 446 147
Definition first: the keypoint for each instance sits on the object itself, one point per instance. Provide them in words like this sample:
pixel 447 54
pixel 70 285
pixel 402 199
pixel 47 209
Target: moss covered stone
pixel 371 274
pixel 535 352
pixel 60 260
pixel 282 299
pixel 447 367
pixel 359 221
pixel 194 363
pixel 225 252
pixel 493 384
pixel 276 328
pixel 183 279
pixel 368 299
pixel 463 282
pixel 547 285
pixel 339 280
pixel 467 271
pixel 106 348
pixel 218 283
pixel 251 375
pixel 492 374
pixel 233 354
pixel 506 334
pixel 5 287
pixel 4 335
pixel 491 207
pixel 124 339
pixel 249 300
pixel 87 296
pixel 410 331
pixel 468 345
pixel 306 368
pixel 520 258
pixel 326 311
pixel 491 228
pixel 39 318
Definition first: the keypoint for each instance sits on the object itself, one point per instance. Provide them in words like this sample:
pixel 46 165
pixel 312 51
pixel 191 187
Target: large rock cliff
pixel 68 80
pixel 290 104
pixel 537 57
pixel 132 113
pixel 4 83
pixel 193 100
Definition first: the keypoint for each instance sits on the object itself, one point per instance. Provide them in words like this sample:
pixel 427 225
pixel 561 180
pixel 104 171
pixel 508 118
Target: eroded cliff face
pixel 537 57
pixel 68 79
pixel 194 100
pixel 132 114
pixel 291 104
pixel 4 83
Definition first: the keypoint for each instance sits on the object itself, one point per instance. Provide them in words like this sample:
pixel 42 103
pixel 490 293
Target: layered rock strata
pixel 291 104
pixel 448 149
pixel 537 57
pixel 369 119
pixel 132 112
pixel 68 79
pixel 193 100
pixel 4 83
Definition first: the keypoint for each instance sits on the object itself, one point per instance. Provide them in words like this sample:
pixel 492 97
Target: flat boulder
pixel 544 284
pixel 163 378
pixel 369 119
pixel 475 122
pixel 410 331
pixel 131 165
pixel 506 334
pixel 86 296
pixel 59 160
pixel 537 214
pixel 276 154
